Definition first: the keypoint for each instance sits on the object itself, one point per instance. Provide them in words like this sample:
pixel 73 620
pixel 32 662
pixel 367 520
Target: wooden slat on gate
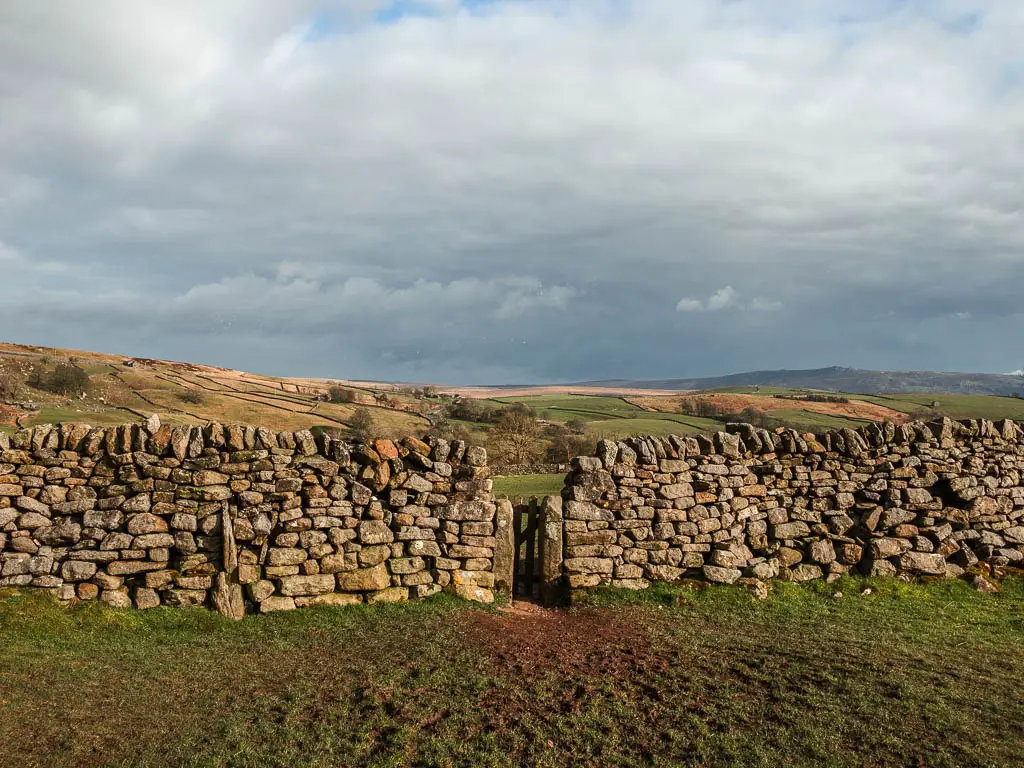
pixel 526 519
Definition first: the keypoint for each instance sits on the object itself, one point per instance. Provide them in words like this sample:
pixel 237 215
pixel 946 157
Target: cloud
pixel 514 190
pixel 727 298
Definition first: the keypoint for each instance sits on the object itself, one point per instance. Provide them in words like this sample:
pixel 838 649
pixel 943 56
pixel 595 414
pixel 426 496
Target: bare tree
pixel 514 439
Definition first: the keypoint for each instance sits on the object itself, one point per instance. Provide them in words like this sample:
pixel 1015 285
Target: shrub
pixel 10 387
pixel 576 425
pixel 64 379
pixel 361 425
pixel 339 394
pixel 190 396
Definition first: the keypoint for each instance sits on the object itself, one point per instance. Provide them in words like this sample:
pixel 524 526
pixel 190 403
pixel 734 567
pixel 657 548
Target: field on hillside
pixel 611 417
pixel 910 675
pixel 183 393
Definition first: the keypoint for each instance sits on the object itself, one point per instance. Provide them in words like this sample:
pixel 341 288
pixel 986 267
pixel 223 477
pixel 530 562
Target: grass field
pixel 613 417
pixel 528 485
pixel 955 406
pixel 911 675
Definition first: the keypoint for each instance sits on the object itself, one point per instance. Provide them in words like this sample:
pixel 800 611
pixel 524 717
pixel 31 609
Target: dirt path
pixel 532 640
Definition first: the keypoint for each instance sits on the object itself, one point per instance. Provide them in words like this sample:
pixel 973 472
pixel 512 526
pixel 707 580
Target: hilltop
pixel 124 389
pixel 839 379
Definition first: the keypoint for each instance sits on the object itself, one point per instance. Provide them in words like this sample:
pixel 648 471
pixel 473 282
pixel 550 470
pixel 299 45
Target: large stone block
pixel 583 510
pixel 795 530
pixel 375 532
pixel 467 510
pixel 589 565
pixel 922 562
pixel 365 579
pixel 317 584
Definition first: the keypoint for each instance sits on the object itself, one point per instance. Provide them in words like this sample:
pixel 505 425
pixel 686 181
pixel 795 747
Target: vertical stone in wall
pixel 552 584
pixel 504 547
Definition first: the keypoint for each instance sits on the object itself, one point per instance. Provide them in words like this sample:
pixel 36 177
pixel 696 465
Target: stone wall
pixel 925 499
pixel 241 518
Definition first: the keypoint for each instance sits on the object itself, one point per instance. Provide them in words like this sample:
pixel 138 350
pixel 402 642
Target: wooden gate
pixel 529 548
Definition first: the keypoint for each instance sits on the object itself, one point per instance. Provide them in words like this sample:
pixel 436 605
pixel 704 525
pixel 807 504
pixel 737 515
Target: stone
pixel 822 552
pixel 768 569
pixel 153 541
pixel 77 570
pixel 132 567
pixel 922 562
pixel 884 547
pixel 31 505
pixel 334 599
pixel 675 491
pixel 141 524
pixel 286 556
pixel 86 591
pixel 392 595
pixel 805 572
pixel 316 584
pixel 33 520
pixel 718 575
pixel 116 598
pixel 375 532
pixel 146 598
pixel 589 565
pixel 794 530
pixel 260 590
pixel 273 604
pixel 364 579
pixel 471 592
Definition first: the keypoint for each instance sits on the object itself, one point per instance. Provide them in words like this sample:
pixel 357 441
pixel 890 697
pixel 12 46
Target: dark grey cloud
pixel 516 191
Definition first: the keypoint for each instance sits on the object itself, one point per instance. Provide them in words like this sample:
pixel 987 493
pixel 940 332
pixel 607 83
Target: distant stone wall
pixel 241 518
pixel 925 499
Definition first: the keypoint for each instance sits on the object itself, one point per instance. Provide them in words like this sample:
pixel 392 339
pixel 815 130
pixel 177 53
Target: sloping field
pixel 860 410
pixel 612 417
pixel 185 393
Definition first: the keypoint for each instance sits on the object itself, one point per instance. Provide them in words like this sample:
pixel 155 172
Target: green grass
pixel 528 485
pixel 654 424
pixel 911 675
pixel 55 414
pixel 814 421
pixel 954 406
pixel 561 408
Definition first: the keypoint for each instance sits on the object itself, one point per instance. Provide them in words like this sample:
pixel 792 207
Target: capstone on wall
pixel 241 518
pixel 922 499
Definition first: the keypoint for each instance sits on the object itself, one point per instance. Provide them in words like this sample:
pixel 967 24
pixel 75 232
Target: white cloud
pixel 727 298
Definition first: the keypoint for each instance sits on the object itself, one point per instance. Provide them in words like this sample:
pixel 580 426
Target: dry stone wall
pixel 241 518
pixel 924 499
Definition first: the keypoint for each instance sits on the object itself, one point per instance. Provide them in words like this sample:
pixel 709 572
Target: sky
pixel 512 191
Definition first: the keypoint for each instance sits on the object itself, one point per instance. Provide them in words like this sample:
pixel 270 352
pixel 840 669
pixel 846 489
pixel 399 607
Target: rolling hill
pixel 839 379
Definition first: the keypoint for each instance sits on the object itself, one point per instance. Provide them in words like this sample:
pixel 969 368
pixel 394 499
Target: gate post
pixel 551 582
pixel 504 547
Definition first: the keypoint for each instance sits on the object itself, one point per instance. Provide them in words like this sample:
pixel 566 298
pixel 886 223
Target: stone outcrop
pixel 921 499
pixel 241 518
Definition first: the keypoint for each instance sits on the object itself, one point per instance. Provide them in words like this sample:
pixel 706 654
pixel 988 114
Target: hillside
pixel 838 379
pixel 124 389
